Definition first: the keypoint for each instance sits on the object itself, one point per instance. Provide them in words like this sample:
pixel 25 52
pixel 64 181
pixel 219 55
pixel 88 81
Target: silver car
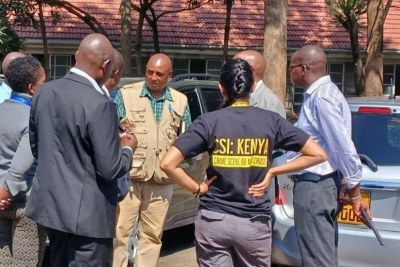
pixel 376 135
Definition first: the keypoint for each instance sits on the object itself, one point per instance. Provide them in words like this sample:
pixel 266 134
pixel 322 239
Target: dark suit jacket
pixel 73 133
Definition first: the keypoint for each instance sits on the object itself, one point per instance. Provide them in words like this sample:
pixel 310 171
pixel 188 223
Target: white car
pixel 376 135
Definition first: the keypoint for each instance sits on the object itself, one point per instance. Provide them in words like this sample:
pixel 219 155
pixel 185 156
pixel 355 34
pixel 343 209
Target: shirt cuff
pixel 128 147
pixel 352 181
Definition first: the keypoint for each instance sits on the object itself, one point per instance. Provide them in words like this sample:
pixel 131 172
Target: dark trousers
pixel 69 250
pixel 315 211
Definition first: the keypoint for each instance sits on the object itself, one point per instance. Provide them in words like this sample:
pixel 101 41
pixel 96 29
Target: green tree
pixel 227 28
pixel 151 13
pixel 368 77
pixel 374 60
pixel 31 13
pixel 9 40
pixel 347 13
pixel 275 46
pixel 125 10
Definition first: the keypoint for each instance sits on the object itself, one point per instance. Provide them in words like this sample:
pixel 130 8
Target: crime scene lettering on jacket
pixel 240 153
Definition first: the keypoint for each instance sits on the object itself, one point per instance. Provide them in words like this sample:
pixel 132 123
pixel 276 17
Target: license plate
pixel 347 214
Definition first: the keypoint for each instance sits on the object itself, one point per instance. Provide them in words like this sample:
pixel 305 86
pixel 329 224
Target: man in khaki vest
pixel 156 113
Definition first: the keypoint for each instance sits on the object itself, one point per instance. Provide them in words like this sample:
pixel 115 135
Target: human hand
pixel 5 198
pixel 357 206
pixel 4 203
pixel 126 125
pixel 206 184
pixel 258 190
pixel 128 140
pixel 344 197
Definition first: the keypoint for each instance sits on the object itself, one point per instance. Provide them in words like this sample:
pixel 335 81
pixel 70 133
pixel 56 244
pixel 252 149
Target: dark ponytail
pixel 237 79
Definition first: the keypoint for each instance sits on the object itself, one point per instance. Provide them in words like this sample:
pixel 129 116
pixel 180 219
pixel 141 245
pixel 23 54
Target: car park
pixel 376 135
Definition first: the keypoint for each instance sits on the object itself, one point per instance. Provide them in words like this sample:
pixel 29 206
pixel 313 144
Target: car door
pixel 183 208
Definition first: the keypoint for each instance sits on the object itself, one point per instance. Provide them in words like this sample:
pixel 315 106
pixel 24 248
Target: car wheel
pixel 132 245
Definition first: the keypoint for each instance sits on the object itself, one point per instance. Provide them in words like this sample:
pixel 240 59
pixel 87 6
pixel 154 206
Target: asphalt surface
pixel 178 248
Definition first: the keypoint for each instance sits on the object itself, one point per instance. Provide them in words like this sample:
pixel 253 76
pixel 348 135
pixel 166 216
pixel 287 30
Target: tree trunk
pixel 154 28
pixel 138 44
pixel 45 45
pixel 275 46
pixel 229 4
pixel 126 35
pixel 359 75
pixel 374 61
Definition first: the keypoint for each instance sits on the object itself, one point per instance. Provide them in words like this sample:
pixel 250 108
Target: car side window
pixel 213 99
pixel 194 103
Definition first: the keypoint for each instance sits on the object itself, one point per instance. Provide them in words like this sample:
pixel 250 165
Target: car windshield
pixel 378 137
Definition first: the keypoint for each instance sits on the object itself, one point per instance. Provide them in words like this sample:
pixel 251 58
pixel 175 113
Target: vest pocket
pixel 140 133
pixel 176 119
pixel 138 172
pixel 137 114
pixel 171 135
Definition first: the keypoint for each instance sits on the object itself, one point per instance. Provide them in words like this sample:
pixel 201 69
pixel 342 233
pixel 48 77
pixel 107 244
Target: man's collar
pixel 166 94
pixel 87 76
pixel 106 91
pixel 258 84
pixel 324 79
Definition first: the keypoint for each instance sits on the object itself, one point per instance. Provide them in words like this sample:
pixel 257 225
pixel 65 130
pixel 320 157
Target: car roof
pixel 193 83
pixel 374 100
pixel 195 76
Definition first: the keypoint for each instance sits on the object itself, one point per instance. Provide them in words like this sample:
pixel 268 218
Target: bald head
pixel 119 61
pixel 255 60
pixel 160 60
pixel 95 56
pixel 117 71
pixel 307 65
pixel 8 58
pixel 312 56
pixel 158 71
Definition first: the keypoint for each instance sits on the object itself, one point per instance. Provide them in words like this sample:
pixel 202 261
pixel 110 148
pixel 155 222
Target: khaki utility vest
pixel 154 139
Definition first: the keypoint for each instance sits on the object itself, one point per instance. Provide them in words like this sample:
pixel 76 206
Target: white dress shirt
pixel 326 117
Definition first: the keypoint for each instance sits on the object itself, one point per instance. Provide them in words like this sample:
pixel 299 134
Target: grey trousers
pixel 315 210
pixel 227 240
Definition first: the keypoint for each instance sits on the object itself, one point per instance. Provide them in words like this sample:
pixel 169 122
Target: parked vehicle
pixel 194 76
pixel 376 135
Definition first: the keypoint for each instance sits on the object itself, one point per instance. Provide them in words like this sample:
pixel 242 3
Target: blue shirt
pixel 326 117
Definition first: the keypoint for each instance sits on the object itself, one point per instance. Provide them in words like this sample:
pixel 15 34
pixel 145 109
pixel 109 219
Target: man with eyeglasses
pixel 157 114
pixel 326 117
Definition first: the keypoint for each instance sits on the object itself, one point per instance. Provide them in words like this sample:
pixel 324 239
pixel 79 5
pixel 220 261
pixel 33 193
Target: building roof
pixel 308 23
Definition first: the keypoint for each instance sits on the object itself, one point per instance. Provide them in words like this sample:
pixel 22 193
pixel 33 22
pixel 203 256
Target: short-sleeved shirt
pixel 240 141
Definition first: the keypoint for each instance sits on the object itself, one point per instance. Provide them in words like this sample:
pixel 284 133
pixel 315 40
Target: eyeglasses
pixel 298 65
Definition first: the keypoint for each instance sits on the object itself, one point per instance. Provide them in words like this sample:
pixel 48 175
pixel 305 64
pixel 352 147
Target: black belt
pixel 312 177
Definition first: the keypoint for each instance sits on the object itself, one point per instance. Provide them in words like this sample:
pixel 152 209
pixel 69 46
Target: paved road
pixel 178 248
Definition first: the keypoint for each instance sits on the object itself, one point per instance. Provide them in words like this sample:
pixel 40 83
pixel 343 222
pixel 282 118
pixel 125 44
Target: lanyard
pixel 240 104
pixel 21 100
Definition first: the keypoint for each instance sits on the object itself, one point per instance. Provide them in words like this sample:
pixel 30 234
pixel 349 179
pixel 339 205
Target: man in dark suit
pixel 74 135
